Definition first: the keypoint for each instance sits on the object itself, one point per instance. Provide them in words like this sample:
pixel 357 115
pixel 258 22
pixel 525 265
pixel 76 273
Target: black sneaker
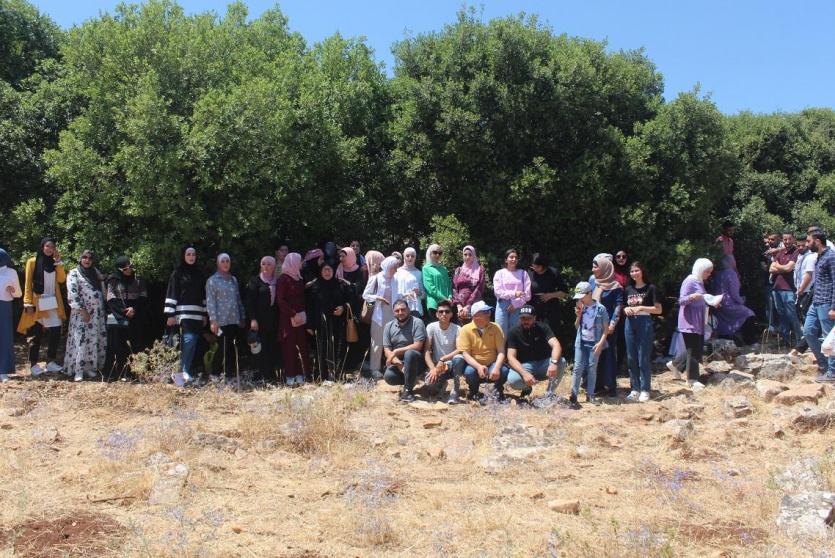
pixel 407 397
pixel 453 398
pixel 526 391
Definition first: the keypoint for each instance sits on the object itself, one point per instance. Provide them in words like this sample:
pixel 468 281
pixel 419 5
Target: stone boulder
pixel 779 369
pixel 679 429
pixel 718 367
pixel 738 407
pixel 808 393
pixel 814 419
pixel 804 475
pixel 808 514
pixel 768 389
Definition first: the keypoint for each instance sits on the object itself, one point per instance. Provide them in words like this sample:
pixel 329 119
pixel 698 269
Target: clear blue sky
pixel 764 56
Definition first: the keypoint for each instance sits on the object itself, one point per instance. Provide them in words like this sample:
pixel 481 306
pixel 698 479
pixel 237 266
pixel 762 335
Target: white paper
pixel 713 300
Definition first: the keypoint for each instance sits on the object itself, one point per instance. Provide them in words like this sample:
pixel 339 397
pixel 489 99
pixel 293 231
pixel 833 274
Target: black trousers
pixel 36 334
pixel 226 358
pixel 689 360
pixel 268 358
pixel 118 351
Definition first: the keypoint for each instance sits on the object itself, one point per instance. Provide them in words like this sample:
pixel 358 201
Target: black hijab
pixel 43 264
pixel 189 272
pixel 328 293
pixel 90 273
pixel 121 263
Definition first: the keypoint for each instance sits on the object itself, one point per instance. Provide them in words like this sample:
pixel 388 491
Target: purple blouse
pixel 691 313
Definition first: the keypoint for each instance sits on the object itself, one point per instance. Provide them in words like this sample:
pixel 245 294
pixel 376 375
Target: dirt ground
pixel 96 469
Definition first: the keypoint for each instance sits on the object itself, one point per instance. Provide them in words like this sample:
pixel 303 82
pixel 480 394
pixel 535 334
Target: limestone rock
pixel 738 407
pixel 808 513
pixel 168 486
pixel 779 369
pixel 804 475
pixel 565 506
pixel 768 389
pixel 718 367
pixel 801 394
pixel 814 419
pixel 738 376
pixel 679 429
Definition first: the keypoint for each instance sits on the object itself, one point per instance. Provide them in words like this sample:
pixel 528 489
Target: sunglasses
pixel 434 253
pixel 621 256
pixel 443 312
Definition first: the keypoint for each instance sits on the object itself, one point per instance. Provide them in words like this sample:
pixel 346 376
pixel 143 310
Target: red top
pixel 289 298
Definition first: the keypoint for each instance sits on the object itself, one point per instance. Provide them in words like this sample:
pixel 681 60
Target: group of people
pixel 334 309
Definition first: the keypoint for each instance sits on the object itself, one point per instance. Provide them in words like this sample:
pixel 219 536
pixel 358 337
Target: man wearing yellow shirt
pixel 481 342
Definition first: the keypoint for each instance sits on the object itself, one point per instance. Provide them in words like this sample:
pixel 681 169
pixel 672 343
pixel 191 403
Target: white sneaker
pixel 178 380
pixel 300 380
pixel 79 376
pixel 36 370
pixel 4 378
pixel 186 377
pixel 633 395
pixel 644 397
pixel 696 385
pixel 672 368
pixel 53 367
pixel 290 381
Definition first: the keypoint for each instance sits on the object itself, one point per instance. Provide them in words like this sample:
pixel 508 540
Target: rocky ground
pixel 744 467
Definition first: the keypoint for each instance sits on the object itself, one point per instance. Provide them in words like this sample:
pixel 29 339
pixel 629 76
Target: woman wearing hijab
pixel 408 283
pixel 9 290
pixel 467 283
pixel 691 322
pixel 185 305
pixel 380 292
pixel 87 336
pixel 262 313
pixel 609 293
pixel 373 261
pixel 43 305
pixel 734 320
pixel 350 270
pixel 326 311
pixel 226 313
pixel 126 299
pixel 436 282
pixel 512 287
pixel 292 320
pixel 313 260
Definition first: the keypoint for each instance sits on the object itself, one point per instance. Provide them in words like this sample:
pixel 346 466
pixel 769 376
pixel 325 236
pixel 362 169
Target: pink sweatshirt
pixel 506 283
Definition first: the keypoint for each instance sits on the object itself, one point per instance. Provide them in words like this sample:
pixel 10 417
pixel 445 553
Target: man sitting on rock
pixel 482 344
pixel 441 353
pixel 403 340
pixel 534 354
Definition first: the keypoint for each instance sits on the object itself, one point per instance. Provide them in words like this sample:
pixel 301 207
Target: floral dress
pixel 86 341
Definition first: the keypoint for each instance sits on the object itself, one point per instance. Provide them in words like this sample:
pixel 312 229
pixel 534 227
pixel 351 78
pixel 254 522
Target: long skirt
pixel 6 338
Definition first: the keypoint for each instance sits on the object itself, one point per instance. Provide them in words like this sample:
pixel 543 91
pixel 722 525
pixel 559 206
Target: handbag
pixel 368 308
pixel 114 320
pixel 47 303
pixel 352 334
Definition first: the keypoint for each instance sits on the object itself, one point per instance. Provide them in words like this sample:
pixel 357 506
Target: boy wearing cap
pixel 481 342
pixel 592 325
pixel 534 354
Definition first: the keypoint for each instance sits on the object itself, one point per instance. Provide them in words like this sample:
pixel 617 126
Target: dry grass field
pixel 94 469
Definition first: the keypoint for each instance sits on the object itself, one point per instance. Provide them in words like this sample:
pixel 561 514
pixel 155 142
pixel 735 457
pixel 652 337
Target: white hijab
pixel 699 267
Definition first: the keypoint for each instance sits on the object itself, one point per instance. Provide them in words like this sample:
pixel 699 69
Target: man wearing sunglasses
pixel 443 359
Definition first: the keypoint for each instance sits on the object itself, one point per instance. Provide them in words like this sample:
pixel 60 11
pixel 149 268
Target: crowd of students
pixel 333 310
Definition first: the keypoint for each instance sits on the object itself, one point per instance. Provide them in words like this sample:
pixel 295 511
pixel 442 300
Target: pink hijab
pixel 269 279
pixel 292 266
pixel 473 271
pixel 349 263
pixel 373 259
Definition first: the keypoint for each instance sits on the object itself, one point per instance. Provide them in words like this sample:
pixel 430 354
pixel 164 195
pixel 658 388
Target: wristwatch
pixel 554 361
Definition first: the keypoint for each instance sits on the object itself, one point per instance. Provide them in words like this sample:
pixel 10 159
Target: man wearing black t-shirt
pixel 534 354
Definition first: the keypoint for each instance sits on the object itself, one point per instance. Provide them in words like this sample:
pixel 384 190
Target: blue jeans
pixel 817 326
pixel 454 371
pixel 474 381
pixel 506 319
pixel 585 362
pixel 189 341
pixel 539 369
pixel 639 337
pixel 784 304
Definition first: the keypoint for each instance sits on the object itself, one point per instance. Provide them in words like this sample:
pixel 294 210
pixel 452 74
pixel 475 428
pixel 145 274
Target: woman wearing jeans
pixel 642 303
pixel 691 322
pixel 512 288
pixel 185 305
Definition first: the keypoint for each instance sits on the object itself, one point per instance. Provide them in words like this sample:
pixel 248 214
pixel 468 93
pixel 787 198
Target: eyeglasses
pixel 621 256
pixel 443 312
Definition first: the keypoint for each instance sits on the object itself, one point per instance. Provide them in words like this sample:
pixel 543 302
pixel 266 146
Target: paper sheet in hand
pixel 713 300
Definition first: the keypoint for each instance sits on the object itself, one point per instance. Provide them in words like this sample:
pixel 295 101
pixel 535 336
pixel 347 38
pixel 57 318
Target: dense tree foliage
pixel 147 127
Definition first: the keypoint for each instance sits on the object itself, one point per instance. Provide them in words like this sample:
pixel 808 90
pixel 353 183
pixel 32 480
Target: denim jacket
pixel 601 321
